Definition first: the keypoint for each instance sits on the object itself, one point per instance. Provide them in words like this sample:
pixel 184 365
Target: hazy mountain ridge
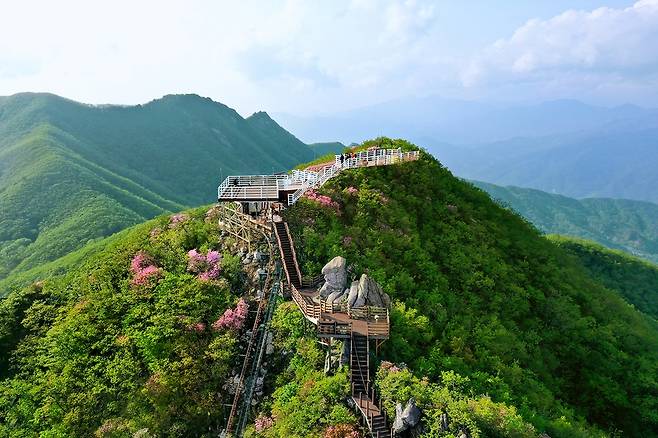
pixel 462 122
pixel 622 224
pixel 606 164
pixel 72 172
pixel 562 146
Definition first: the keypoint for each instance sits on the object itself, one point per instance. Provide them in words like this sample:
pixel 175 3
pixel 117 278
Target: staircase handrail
pixel 278 241
pixel 312 281
pixel 252 339
pixel 365 383
pixel 365 379
pixel 294 253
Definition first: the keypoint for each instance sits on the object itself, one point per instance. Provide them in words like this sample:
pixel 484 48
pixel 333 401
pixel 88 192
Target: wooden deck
pixel 339 320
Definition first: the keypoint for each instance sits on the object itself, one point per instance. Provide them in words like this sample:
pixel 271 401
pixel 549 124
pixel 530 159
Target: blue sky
pixel 314 57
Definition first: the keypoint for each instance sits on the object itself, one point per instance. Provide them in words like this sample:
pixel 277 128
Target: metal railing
pixel 268 187
pixel 321 177
pixel 376 157
pixel 251 186
pixel 248 192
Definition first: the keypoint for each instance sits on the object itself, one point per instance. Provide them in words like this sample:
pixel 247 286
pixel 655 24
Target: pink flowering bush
pixel 176 219
pixel 390 367
pixel 143 269
pixel 233 319
pixel 207 267
pixel 352 190
pixel 341 431
pixel 263 422
pixel 323 200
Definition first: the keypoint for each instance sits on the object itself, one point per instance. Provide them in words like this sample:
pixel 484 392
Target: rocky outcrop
pixel 407 418
pixel 335 297
pixel 335 276
pixel 369 293
pixel 353 294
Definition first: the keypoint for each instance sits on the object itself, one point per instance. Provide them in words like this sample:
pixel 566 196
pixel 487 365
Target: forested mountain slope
pixel 634 279
pixel 623 224
pixel 71 173
pixel 501 330
pixel 481 292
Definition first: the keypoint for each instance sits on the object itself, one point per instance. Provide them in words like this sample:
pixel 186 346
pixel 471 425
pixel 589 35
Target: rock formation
pixel 407 418
pixel 369 293
pixel 353 293
pixel 335 276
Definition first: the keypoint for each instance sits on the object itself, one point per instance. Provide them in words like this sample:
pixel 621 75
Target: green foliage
pixel 93 354
pixel 306 401
pixel 634 279
pixel 486 296
pixel 623 224
pixel 478 415
pixel 71 174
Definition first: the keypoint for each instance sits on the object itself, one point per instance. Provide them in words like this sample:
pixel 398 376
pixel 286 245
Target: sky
pixel 307 57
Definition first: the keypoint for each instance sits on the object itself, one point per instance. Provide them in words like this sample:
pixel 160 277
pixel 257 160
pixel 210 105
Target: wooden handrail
pixel 294 253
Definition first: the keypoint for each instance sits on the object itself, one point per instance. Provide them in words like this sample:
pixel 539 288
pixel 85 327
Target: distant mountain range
pixel 622 224
pixel 564 146
pixel 71 173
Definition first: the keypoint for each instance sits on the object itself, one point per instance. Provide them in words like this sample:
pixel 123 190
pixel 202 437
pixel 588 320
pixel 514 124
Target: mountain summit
pixel 71 172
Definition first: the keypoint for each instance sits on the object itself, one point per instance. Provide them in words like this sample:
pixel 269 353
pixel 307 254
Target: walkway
pixel 289 187
pixel 358 326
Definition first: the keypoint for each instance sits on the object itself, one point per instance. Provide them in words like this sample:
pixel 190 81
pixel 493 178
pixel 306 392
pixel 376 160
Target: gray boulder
pixel 353 294
pixel 399 425
pixel 370 293
pixel 334 297
pixel 335 276
pixel 411 414
pixel 407 418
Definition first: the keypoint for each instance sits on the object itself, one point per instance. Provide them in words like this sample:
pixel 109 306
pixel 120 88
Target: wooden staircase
pixel 288 255
pixel 363 393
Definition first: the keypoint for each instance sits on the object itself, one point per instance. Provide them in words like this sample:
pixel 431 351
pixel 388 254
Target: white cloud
pixel 302 56
pixel 606 43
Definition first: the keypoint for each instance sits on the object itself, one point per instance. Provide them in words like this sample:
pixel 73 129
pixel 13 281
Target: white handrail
pixel 267 187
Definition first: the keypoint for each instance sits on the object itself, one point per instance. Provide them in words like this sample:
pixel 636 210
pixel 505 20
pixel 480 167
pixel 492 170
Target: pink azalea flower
pixel 198 327
pixel 233 319
pixel 177 219
pixel 143 269
pixel 263 422
pixel 323 200
pixel 207 267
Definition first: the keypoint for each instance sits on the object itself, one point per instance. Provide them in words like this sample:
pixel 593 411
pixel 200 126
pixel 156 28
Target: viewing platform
pixel 287 188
